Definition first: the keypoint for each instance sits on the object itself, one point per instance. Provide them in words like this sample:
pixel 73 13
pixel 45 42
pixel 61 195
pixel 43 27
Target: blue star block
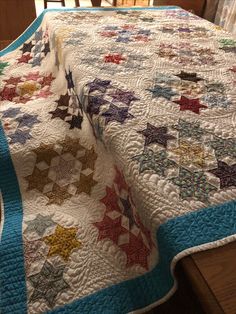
pixel 38 35
pixel 27 120
pixel 36 61
pixel 20 136
pixel 11 112
pixel 123 39
pixel 165 92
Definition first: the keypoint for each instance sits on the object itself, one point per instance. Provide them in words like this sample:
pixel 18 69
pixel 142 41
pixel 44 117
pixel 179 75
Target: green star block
pixel 224 147
pixel 189 130
pixel 3 65
pixel 193 185
pixel 158 162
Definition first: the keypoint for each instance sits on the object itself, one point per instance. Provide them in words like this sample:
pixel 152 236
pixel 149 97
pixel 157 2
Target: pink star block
pixel 44 93
pixel 34 76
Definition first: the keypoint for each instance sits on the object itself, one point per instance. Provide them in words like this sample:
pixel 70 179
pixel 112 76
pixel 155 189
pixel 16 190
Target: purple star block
pixel 94 104
pixel 99 85
pixel 226 174
pixel 75 122
pixel 128 212
pixel 118 114
pixel 156 135
pixel 70 83
pixel 123 96
pixel 123 39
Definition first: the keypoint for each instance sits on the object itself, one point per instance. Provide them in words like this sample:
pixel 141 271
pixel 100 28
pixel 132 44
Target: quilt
pixel 117 157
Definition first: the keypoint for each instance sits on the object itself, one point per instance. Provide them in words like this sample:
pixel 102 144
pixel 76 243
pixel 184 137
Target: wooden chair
pixel 60 1
pixel 95 3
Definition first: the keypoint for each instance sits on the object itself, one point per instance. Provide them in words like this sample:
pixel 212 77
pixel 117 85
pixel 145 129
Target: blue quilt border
pixel 13 296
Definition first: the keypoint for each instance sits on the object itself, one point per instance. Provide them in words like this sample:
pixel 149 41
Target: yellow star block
pixel 62 242
pixel 190 153
pixel 28 88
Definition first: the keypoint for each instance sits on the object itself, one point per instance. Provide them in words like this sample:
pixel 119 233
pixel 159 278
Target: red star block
pixel 47 80
pixel 110 229
pixel 190 104
pixel 108 34
pixel 145 231
pixel 114 58
pixel 141 38
pixel 128 27
pixel 13 80
pixel 136 251
pixel 120 181
pixel 24 58
pixel 8 93
pixel 111 200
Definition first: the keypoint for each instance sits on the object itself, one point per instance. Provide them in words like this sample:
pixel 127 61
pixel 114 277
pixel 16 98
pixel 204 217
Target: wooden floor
pixel 184 301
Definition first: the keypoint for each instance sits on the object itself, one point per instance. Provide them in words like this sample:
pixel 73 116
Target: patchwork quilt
pixel 117 157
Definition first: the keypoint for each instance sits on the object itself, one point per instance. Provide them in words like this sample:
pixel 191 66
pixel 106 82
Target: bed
pixel 117 156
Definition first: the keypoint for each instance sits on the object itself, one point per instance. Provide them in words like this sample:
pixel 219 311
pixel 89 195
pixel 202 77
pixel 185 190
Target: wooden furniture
pixel 195 6
pixel 15 17
pixel 96 3
pixel 206 284
pixel 127 3
pixel 60 1
pixel 213 278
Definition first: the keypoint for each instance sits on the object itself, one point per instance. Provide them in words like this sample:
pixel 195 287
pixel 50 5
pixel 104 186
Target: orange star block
pixel 71 145
pixel 89 159
pixel 45 153
pixel 38 179
pixel 85 184
pixel 58 195
pixel 63 242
